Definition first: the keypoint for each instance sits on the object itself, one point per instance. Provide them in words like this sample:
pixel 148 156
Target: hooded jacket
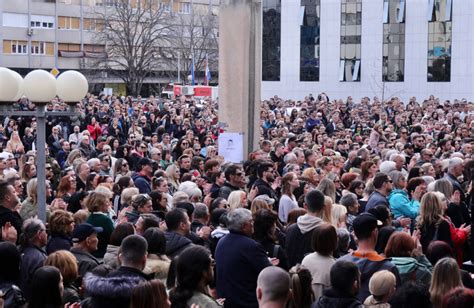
pixel 335 299
pixel 298 238
pixel 110 291
pixel 411 269
pixel 402 206
pixel 175 244
pixel 141 182
pixel 369 263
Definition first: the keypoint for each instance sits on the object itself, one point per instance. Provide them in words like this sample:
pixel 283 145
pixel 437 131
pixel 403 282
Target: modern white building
pixel 361 48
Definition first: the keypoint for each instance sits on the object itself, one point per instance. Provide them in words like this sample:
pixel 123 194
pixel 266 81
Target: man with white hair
pixel 239 260
pixel 399 161
pixel 273 287
pixel 455 169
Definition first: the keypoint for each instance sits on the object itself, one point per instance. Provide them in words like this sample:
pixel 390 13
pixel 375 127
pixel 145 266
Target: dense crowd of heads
pixel 345 203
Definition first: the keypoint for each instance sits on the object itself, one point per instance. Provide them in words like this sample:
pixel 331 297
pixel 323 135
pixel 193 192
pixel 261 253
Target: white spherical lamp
pixel 72 86
pixel 20 90
pixel 9 85
pixel 40 86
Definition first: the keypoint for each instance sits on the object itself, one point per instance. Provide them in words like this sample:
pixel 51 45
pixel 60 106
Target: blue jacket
pixel 375 199
pixel 402 206
pixel 239 260
pixel 142 183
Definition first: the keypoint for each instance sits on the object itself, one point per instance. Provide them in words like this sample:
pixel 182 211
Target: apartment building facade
pixel 62 35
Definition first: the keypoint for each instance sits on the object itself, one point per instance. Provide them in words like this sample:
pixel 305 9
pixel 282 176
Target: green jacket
pixel 411 269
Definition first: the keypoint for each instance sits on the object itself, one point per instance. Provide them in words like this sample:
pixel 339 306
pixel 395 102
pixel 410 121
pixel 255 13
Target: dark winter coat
pixel 336 299
pixel 114 290
pixel 175 244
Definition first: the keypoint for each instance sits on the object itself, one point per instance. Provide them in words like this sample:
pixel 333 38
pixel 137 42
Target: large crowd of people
pixel 344 204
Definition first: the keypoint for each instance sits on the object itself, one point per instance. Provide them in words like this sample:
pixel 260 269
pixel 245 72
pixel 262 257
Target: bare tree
pixel 133 33
pixel 193 34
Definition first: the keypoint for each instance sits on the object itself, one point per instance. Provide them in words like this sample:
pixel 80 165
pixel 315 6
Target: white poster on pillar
pixel 231 147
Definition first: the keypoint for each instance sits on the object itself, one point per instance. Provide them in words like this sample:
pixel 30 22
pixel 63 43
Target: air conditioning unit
pixel 187 91
pixel 30 32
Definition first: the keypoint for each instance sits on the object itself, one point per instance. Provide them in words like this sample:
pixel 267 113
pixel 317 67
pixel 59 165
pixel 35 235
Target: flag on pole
pixel 208 72
pixel 192 70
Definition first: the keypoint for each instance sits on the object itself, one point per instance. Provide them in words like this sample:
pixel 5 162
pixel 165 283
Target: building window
pixel 19 47
pixel 15 20
pixel 92 24
pixel 185 8
pixel 165 6
pixel 393 64
pixel 38 48
pixel 309 39
pixel 271 40
pixel 39 21
pixel 351 36
pixel 439 40
pixel 68 23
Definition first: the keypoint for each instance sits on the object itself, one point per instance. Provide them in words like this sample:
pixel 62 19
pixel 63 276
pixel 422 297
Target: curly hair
pixel 60 221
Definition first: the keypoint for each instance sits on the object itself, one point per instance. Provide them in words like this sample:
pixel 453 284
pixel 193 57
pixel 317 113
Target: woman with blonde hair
pixel 73 155
pixel 311 175
pixel 431 222
pixel 327 212
pixel 328 188
pixel 258 204
pixel 428 169
pixel 29 207
pixel 446 276
pixel 237 199
pixel 172 172
pixel 66 262
pixel 338 215
pixel 14 145
pixel 98 204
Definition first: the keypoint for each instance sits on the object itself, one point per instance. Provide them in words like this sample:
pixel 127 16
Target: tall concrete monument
pixel 240 52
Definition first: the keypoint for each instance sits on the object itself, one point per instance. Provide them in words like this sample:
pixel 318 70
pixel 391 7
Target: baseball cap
pixel 6 155
pixel 83 231
pixel 365 223
pixel 266 199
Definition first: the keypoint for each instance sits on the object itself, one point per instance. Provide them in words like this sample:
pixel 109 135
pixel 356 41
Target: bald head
pixel 273 285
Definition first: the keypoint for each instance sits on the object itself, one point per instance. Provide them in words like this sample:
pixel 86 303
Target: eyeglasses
pixel 125 164
pixel 389 181
pixel 185 143
pixel 106 159
pixel 142 147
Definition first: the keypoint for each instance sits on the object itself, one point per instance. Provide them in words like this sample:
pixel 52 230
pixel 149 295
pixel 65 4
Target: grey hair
pixel 238 218
pixel 93 162
pixel 454 162
pixel 395 175
pixel 31 227
pixel 289 157
pixel 387 166
pixel 200 210
pixel 190 188
pixel 349 199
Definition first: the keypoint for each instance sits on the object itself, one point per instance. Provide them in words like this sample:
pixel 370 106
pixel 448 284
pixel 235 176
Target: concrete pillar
pixel 240 53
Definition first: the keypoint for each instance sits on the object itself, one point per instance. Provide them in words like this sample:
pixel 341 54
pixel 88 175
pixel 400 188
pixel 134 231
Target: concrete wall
pixel 416 49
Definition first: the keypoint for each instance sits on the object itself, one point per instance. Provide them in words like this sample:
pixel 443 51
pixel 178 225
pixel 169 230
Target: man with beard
pixel 383 187
pixel 266 177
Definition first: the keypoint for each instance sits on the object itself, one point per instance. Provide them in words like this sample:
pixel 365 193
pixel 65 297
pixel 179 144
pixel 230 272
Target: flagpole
pixel 179 67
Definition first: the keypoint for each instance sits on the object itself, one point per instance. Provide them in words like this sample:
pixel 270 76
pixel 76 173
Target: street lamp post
pixel 41 87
